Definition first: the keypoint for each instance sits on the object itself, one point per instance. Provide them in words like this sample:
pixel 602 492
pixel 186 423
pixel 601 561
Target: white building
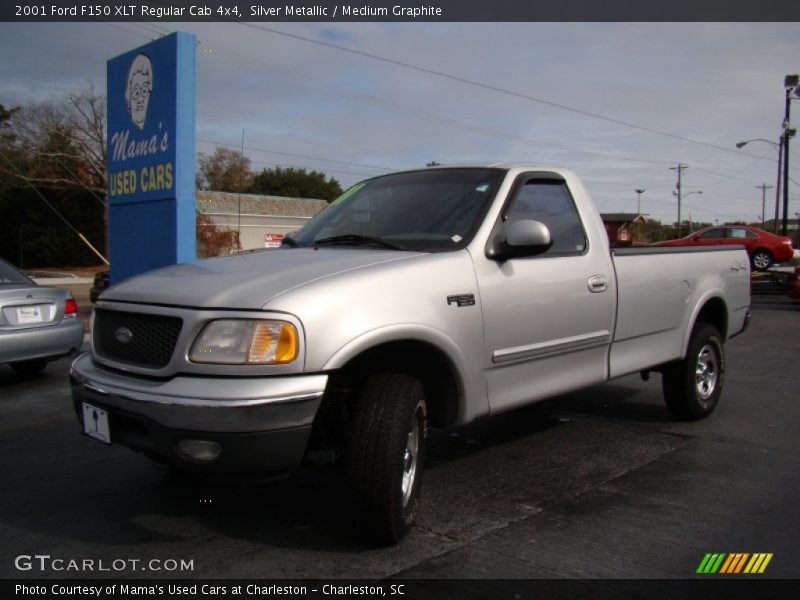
pixel 257 217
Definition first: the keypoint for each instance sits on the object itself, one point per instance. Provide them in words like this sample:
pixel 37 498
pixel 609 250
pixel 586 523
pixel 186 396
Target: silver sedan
pixel 37 323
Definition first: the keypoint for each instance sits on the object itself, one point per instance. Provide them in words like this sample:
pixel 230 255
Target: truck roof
pixel 520 166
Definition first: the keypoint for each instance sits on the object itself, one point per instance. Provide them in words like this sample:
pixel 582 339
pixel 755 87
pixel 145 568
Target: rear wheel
pixel 385 457
pixel 29 367
pixel 762 260
pixel 692 386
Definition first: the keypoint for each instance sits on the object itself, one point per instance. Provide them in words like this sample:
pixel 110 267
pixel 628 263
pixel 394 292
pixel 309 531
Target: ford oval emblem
pixel 123 335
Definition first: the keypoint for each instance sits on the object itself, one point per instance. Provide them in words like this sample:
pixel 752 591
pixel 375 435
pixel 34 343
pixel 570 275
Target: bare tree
pixel 224 171
pixel 61 144
pixel 213 240
pixel 53 159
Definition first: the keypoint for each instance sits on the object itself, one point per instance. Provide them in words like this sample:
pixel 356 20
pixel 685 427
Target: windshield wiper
pixel 354 238
pixel 288 240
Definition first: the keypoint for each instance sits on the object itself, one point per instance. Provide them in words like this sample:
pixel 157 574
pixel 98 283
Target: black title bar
pixel 401 10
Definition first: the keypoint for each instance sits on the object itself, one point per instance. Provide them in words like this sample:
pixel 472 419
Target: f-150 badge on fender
pixel 462 300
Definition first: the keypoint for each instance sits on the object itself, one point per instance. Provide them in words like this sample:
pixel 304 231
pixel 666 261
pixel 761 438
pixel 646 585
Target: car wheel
pixel 692 386
pixel 762 260
pixel 385 456
pixel 29 367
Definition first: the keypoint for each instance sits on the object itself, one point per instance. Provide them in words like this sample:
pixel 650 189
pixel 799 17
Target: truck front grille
pixel 135 338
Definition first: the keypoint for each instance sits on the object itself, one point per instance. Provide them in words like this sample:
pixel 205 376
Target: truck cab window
pixel 549 201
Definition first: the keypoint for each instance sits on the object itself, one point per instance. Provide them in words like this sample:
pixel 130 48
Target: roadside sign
pixel 273 240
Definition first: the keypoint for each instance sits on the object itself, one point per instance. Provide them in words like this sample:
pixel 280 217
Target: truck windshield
pixel 425 211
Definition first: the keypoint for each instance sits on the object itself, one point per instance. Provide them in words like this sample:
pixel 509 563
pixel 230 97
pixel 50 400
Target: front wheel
pixel 762 260
pixel 385 457
pixel 692 386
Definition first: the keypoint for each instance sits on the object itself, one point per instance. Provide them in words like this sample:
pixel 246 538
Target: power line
pixel 28 181
pixel 729 177
pixel 487 86
pixel 416 112
pixel 128 31
pixel 37 66
pixel 285 166
pixel 306 156
pixel 441 119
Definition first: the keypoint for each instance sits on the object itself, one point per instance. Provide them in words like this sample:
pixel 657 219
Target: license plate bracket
pixel 95 423
pixel 29 314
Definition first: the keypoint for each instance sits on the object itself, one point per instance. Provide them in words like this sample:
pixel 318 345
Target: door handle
pixel 597 284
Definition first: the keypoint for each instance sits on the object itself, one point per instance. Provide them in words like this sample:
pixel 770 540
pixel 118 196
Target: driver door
pixel 547 318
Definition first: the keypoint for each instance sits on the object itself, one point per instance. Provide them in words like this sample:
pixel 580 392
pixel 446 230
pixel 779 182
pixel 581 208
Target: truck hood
pixel 244 281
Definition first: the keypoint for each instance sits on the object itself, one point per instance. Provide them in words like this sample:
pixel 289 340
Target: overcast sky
pixel 302 104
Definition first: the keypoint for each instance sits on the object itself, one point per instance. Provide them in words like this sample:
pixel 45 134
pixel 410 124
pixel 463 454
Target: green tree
pixel 296 183
pixel 52 170
pixel 225 170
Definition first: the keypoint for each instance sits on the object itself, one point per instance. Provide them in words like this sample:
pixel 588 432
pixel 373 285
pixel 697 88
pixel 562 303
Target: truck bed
pixel 660 292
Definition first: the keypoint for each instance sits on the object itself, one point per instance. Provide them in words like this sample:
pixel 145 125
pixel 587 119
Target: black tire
pixel 692 386
pixel 29 368
pixel 762 260
pixel 384 464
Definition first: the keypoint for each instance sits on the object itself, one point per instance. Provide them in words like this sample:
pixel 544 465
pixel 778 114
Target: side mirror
pixel 519 239
pixel 528 234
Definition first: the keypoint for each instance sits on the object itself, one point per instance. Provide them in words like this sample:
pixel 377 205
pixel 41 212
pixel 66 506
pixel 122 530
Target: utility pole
pixel 790 84
pixel 778 187
pixel 763 187
pixel 239 211
pixel 679 169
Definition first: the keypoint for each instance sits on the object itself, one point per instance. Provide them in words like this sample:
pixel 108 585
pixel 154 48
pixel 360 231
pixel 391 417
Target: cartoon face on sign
pixel 138 89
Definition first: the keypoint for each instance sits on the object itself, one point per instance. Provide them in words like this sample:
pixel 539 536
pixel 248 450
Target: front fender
pixel 473 401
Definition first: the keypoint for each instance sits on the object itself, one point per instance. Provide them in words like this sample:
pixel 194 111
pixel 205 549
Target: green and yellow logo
pixel 734 563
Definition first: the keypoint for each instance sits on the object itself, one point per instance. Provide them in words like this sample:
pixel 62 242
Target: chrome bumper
pixel 207 404
pixel 261 424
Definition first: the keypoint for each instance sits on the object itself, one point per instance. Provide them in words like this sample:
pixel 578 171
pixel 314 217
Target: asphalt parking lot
pixel 596 484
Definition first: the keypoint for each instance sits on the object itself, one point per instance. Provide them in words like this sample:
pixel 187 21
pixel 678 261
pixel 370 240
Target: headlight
pixel 245 341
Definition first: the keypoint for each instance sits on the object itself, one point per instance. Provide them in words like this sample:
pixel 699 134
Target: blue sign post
pixel 151 156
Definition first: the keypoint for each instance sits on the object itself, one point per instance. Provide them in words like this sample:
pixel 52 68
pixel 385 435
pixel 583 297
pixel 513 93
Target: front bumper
pixel 262 425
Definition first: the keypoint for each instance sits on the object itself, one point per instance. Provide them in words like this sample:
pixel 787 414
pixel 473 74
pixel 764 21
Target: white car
pixel 37 323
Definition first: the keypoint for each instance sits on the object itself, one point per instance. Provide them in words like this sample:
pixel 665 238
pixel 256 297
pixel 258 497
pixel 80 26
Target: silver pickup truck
pixel 422 298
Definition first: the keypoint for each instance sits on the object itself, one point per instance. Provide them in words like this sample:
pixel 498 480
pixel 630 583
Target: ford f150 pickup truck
pixel 422 298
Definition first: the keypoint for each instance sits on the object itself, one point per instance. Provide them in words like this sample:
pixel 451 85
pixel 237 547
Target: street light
pixel 779 147
pixel 639 192
pixel 694 192
pixel 680 197
pixel 743 143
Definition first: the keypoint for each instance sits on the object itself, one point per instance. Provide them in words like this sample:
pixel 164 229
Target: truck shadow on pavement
pixel 77 491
